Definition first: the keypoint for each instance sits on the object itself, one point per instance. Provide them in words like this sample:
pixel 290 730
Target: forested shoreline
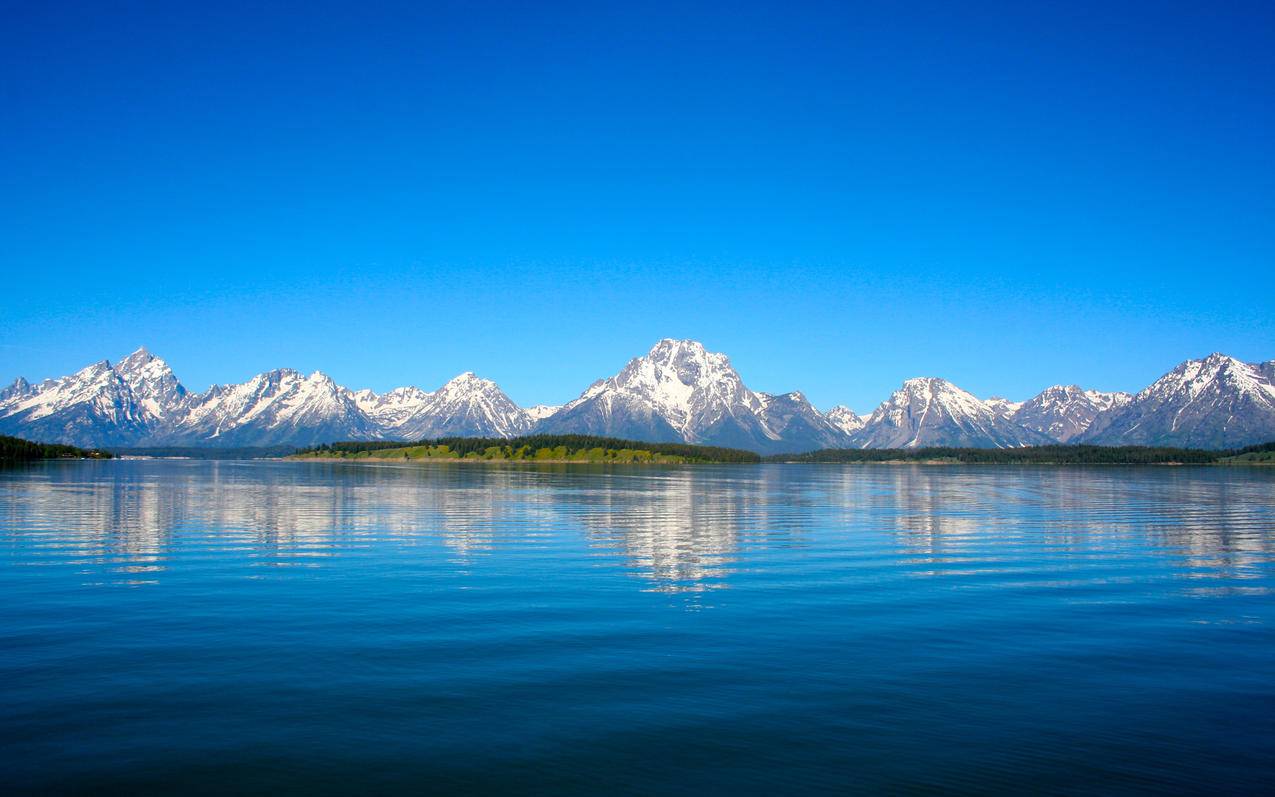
pixel 15 449
pixel 595 449
pixel 532 448
pixel 1039 455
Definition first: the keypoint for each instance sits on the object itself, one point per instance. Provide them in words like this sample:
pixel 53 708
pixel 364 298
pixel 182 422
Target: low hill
pixel 1262 454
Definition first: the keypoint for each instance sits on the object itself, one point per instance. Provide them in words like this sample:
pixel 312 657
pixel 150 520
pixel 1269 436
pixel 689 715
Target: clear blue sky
pixel 838 196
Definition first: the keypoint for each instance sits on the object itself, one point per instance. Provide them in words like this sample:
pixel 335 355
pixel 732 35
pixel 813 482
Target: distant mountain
pixel 797 425
pixel 467 406
pixel 542 411
pixel 679 391
pixel 278 407
pixel 676 392
pixel 393 409
pixel 1064 412
pixel 1002 406
pixel 845 419
pixel 139 401
pixel 1216 402
pixel 934 412
pixel 16 389
pixel 93 407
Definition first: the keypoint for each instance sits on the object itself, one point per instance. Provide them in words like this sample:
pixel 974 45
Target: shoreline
pixel 888 462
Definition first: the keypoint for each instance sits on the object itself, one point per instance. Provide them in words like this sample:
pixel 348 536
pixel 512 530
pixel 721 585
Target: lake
pixel 205 627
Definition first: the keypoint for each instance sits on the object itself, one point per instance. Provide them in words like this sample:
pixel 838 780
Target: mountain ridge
pixel 678 392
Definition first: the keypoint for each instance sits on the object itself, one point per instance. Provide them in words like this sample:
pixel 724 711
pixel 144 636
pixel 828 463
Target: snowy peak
pixel 1065 412
pixel 275 407
pixel 928 411
pixel 680 391
pixel 389 410
pixel 1003 406
pixel 541 411
pixel 153 384
pixel 1215 402
pixel 96 405
pixel 467 405
pixel 17 388
pixel 845 419
pixel 680 378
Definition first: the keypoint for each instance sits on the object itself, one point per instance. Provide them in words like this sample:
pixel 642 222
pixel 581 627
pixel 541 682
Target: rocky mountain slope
pixel 934 412
pixel 679 391
pixel 676 392
pixel 1064 412
pixel 1216 402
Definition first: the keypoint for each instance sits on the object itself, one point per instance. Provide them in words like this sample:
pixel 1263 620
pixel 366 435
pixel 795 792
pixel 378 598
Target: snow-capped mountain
pixel 19 387
pixel 797 423
pixel 1064 412
pixel 541 411
pixel 1216 402
pixel 278 407
pixel 467 406
pixel 845 419
pixel 1002 406
pixel 139 402
pixel 155 388
pixel 934 412
pixel 679 391
pixel 97 405
pixel 391 409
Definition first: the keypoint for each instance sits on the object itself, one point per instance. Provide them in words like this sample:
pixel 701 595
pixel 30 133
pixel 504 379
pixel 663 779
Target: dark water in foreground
pixel 325 628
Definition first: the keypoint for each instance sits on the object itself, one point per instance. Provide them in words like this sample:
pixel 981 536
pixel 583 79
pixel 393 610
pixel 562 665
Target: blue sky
pixel 838 196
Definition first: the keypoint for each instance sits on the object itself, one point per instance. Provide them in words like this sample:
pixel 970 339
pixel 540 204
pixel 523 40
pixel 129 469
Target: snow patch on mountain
pixel 1002 406
pixel 467 405
pixel 679 391
pixel 541 411
pixel 1214 402
pixel 928 411
pixel 1064 412
pixel 845 419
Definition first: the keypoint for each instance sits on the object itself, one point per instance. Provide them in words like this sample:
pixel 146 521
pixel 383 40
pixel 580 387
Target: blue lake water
pixel 207 627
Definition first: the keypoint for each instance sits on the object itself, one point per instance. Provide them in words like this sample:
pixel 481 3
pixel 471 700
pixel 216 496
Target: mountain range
pixel 676 392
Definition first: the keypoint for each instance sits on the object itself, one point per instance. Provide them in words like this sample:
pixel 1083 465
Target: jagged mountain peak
pixel 845 419
pixel 466 405
pixel 677 391
pixel 91 371
pixel 139 356
pixel 539 412
pixel 933 388
pixel 17 388
pixel 154 386
pixel 467 381
pixel 1217 401
pixel 681 391
pixel 929 411
pixel 1065 412
pixel 1003 406
pixel 675 346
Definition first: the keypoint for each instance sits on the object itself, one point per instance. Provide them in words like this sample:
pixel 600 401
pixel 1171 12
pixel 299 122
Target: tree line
pixel 15 449
pixel 573 444
pixel 1030 455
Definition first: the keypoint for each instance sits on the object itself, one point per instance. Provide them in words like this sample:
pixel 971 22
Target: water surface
pixel 334 628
